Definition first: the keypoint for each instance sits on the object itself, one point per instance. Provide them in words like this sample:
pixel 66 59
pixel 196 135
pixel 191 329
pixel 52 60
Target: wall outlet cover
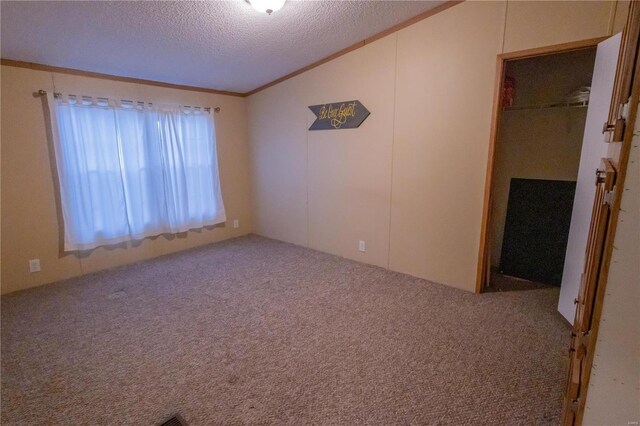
pixel 34 265
pixel 361 246
pixel 236 223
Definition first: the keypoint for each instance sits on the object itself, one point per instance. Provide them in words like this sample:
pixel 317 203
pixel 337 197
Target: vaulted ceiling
pixel 225 45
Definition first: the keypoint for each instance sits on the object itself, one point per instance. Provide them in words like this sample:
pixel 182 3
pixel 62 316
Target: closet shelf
pixel 581 104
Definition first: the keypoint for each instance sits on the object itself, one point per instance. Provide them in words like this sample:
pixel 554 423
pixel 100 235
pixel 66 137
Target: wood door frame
pixel 501 60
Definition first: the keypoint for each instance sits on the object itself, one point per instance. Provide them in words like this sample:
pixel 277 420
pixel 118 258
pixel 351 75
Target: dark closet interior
pixel 537 229
pixel 537 157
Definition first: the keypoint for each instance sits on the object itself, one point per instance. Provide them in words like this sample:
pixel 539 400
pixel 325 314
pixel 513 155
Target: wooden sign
pixel 339 115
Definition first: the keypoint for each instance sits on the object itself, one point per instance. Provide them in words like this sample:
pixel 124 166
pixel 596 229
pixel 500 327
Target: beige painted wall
pixel 532 24
pixel 410 180
pixel 325 189
pixel 30 227
pixel 446 69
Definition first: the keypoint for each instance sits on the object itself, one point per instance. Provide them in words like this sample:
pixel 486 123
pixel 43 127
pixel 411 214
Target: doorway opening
pixel 536 160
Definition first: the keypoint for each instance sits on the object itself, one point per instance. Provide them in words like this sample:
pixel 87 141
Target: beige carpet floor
pixel 255 331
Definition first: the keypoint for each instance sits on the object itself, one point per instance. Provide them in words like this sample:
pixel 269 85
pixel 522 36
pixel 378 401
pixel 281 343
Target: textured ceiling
pixel 224 45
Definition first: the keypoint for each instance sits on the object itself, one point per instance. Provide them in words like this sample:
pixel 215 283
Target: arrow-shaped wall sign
pixel 339 115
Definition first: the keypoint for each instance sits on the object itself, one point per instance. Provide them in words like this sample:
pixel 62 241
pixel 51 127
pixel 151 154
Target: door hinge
pixel 580 344
pixel 609 196
pixel 624 110
pixel 618 130
pixel 614 132
pixel 574 405
pixel 584 339
pixel 619 125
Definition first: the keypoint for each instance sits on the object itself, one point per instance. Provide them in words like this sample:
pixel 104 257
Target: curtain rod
pixel 42 92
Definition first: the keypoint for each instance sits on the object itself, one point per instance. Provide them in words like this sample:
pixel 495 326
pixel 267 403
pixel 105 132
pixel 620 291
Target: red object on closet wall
pixel 508 91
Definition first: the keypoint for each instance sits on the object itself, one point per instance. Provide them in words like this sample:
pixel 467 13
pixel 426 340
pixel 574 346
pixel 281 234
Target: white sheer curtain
pixel 128 171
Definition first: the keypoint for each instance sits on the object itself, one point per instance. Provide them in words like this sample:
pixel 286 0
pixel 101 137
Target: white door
pixel 594 149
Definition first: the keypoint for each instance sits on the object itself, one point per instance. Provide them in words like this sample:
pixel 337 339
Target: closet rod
pixel 42 92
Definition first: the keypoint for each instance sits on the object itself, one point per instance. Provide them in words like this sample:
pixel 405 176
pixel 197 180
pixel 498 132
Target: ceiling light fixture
pixel 267 6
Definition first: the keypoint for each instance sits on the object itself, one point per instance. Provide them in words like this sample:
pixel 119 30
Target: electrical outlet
pixel 361 246
pixel 34 265
pixel 236 223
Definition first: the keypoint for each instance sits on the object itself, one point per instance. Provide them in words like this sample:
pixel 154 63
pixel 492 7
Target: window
pixel 130 170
